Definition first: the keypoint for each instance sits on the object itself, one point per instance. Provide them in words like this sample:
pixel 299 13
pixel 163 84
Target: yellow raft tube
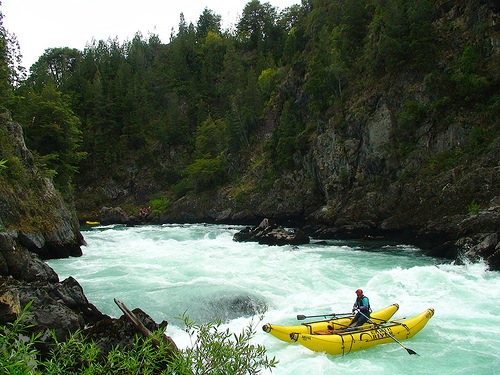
pixel 363 337
pixel 283 332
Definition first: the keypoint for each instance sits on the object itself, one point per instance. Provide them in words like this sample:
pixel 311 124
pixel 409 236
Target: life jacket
pixel 359 302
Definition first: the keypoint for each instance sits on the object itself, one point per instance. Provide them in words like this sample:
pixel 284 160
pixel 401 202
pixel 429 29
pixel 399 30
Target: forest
pixel 141 122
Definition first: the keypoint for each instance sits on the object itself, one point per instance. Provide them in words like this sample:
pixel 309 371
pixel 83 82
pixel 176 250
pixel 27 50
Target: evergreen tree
pixel 4 63
pixel 53 134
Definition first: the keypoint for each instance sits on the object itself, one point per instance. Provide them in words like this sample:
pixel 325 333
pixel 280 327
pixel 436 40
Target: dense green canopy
pixel 192 109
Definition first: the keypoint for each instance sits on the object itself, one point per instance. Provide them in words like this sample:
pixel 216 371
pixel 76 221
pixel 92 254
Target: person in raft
pixel 362 305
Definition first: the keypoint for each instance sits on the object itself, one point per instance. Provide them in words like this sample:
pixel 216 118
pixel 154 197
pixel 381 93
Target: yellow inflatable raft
pixel 364 337
pixel 283 332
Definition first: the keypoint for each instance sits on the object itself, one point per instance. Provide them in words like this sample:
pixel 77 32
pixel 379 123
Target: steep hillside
pixel 352 118
pixel 32 212
pixel 409 153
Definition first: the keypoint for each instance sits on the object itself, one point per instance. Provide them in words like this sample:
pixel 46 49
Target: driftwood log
pixel 143 330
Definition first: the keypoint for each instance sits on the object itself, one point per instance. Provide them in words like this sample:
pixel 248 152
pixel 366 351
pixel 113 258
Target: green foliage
pixel 412 115
pixel 257 25
pixel 267 81
pixel 208 23
pixel 53 133
pixel 217 351
pixel 17 355
pixel 290 137
pixel 400 35
pixel 213 351
pixel 210 138
pixel 2 164
pixel 473 208
pixel 441 162
pixel 4 62
pixel 207 172
pixel 55 67
pixel 76 355
pixel 191 108
pixel 160 204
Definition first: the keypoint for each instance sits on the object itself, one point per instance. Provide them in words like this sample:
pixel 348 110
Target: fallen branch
pixel 143 329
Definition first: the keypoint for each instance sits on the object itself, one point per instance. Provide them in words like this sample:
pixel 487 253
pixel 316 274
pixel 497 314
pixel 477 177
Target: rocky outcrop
pixel 480 246
pixel 28 282
pixel 289 199
pixel 114 215
pixel 58 309
pixel 36 224
pixel 269 233
pixel 31 209
pixel 109 333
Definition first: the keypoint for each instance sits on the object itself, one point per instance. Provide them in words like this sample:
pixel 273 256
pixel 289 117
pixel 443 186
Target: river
pixel 198 269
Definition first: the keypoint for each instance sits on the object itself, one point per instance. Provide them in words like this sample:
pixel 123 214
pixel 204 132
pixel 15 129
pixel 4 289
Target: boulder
pixel 269 233
pixel 484 246
pixel 10 306
pixel 28 283
pixel 110 333
pixel 113 215
pixel 23 265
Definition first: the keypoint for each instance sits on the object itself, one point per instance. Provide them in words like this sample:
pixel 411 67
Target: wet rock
pixel 484 246
pixel 26 282
pixel 110 333
pixel 226 308
pixel 269 233
pixel 10 306
pixel 21 264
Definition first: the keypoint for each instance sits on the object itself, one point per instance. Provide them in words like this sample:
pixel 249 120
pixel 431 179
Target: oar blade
pixel 301 317
pixel 411 351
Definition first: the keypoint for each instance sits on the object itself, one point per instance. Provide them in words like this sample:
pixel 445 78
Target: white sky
pixel 42 24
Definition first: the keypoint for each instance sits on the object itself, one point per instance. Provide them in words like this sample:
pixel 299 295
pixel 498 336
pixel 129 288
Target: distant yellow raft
pixel 367 336
pixel 92 223
pixel 283 332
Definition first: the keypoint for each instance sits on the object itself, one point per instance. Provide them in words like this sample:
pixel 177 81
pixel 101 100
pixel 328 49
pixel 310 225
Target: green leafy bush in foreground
pixel 213 351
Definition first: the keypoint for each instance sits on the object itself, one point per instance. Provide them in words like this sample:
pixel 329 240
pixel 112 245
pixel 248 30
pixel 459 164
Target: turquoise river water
pixel 198 269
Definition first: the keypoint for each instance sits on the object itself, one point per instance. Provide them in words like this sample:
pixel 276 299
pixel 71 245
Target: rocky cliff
pixel 410 156
pixel 35 223
pixel 31 210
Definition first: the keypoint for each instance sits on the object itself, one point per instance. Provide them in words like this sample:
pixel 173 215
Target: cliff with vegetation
pixel 349 118
pixel 32 211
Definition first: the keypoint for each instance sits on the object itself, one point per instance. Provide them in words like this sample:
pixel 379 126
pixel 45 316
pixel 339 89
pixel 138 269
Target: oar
pixel 302 317
pixel 388 334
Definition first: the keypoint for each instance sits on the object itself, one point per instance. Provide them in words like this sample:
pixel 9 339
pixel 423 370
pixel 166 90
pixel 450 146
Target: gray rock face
pixel 27 280
pixel 31 206
pixel 23 265
pixel 113 215
pixel 269 233
pixel 36 224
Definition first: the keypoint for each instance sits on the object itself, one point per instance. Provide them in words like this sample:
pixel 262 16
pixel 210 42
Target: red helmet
pixel 359 292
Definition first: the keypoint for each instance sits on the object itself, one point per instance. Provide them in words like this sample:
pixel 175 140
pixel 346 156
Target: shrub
pixel 17 356
pixel 207 172
pixel 160 204
pixel 473 207
pixel 214 351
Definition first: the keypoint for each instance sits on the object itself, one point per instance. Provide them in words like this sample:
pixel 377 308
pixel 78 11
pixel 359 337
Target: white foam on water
pixel 172 269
